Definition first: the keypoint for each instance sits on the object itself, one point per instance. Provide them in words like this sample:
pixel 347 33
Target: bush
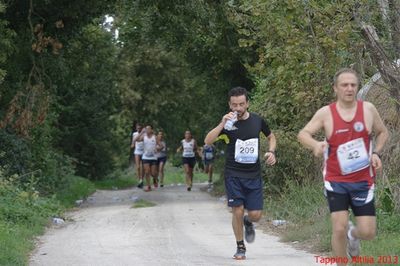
pixel 15 155
pixel 293 162
pixel 389 181
pixel 75 188
pixel 18 206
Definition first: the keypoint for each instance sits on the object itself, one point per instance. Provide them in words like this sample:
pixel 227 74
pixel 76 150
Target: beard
pixel 240 115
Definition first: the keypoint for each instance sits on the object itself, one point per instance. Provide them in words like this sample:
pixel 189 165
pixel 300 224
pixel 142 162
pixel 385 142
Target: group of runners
pixel 350 162
pixel 150 155
pixel 351 159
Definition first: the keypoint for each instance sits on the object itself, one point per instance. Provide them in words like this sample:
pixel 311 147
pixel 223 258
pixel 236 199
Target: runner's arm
pixel 159 145
pixel 179 148
pixel 270 154
pixel 133 140
pixel 214 133
pixel 272 142
pixel 380 131
pixel 381 136
pixel 305 135
pixel 140 137
pixel 200 152
pixel 196 148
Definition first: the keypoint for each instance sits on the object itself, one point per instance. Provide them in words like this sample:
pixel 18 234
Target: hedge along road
pixel 184 228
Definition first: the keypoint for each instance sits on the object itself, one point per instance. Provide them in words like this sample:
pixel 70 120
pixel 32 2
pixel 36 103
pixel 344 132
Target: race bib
pixel 188 152
pixel 209 155
pixel 352 156
pixel 246 151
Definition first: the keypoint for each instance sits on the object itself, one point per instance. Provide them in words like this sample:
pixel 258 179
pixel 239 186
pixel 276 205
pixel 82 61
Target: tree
pixel 178 60
pixel 384 46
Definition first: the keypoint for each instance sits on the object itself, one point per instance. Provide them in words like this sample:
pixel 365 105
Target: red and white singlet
pixel 348 155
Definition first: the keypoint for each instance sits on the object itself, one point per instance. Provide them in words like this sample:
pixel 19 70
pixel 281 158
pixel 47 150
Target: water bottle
pixel 229 124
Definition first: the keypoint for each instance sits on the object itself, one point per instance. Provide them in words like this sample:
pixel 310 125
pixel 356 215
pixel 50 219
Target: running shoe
pixel 249 232
pixel 240 253
pixel 148 189
pixel 189 188
pixel 353 245
pixel 140 185
pixel 162 185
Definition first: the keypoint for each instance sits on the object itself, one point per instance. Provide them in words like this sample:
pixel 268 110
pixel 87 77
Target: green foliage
pixel 293 163
pixel 23 214
pixel 119 179
pixel 192 51
pixel 15 156
pixel 299 45
pixel 6 46
pixel 86 100
pixel 24 207
pixel 35 163
pixel 75 188
pixel 306 210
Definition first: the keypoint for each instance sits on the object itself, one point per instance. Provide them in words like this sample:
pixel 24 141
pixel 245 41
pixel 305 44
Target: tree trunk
pixel 388 67
pixel 394 7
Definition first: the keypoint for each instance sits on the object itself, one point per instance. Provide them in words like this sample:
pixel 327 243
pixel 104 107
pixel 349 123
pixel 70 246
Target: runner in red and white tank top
pixel 349 162
pixel 347 158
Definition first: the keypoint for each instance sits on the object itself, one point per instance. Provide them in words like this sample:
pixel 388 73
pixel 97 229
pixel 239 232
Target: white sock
pixel 349 235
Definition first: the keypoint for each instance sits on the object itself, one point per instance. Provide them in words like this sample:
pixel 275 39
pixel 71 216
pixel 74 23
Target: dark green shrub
pixel 293 163
pixel 15 154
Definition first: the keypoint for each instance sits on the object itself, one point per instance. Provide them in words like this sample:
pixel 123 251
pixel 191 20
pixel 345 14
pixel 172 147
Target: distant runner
pixel 161 156
pixel 208 155
pixel 243 181
pixel 188 148
pixel 149 156
pixel 350 162
pixel 138 152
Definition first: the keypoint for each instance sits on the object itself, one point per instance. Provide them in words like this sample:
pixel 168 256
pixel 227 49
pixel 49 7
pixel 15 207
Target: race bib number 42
pixel 246 151
pixel 352 156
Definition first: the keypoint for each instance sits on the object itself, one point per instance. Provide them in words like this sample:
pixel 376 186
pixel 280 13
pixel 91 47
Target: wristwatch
pixel 374 152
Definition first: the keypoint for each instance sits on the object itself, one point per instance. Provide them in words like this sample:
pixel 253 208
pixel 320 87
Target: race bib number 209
pixel 246 151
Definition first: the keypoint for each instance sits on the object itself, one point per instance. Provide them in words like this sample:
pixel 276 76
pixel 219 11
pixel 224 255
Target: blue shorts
pixel 208 162
pixel 161 160
pixel 191 161
pixel 245 191
pixel 359 196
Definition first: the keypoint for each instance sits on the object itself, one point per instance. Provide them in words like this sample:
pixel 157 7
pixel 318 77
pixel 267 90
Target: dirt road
pixel 184 228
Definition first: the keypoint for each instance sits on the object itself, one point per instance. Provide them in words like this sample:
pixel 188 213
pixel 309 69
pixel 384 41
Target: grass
pixel 141 203
pixel 25 214
pixel 176 175
pixel 305 209
pixel 76 188
pixel 119 180
pixel 127 178
pixel 16 242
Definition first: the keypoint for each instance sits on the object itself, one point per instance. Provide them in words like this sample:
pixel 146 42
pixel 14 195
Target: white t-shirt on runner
pixel 149 148
pixel 188 148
